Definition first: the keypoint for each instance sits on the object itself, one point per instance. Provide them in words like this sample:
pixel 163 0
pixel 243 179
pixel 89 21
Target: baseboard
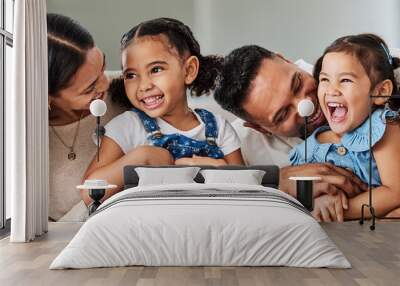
pixel 5 231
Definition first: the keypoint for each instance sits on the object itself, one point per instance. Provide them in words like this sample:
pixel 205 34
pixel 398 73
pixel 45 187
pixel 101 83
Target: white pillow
pixel 248 177
pixel 163 176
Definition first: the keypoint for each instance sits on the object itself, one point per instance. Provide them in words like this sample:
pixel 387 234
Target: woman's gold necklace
pixel 71 153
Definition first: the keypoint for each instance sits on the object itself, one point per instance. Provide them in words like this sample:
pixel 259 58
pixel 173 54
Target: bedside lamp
pixel 391 116
pixel 98 108
pixel 97 190
pixel 304 185
pixel 305 108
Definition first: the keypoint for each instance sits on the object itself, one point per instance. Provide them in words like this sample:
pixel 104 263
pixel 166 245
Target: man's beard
pixel 301 130
pixel 310 129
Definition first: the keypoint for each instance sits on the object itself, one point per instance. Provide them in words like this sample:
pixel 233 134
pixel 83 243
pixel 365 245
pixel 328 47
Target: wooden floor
pixel 374 255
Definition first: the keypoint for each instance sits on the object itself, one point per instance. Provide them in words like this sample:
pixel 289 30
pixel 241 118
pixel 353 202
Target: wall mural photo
pixel 244 103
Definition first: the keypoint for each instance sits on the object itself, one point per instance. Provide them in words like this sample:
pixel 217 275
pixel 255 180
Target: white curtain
pixel 27 124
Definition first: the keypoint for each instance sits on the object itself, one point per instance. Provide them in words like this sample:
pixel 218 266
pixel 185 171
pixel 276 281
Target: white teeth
pixel 335 104
pixel 151 99
pixel 316 115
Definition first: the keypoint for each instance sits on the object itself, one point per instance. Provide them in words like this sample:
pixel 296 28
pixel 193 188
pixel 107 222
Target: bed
pixel 201 223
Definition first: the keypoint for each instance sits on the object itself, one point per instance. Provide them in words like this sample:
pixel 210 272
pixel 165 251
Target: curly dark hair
pixel 239 70
pixel 180 37
pixel 372 53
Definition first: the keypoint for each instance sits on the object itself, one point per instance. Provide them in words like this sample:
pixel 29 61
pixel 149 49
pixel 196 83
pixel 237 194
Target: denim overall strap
pixel 210 124
pixel 149 123
pixel 180 145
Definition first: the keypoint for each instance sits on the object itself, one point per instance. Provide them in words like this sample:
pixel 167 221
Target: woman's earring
pixel 49 106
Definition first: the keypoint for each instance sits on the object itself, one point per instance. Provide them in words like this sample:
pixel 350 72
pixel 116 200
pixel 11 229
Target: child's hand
pixel 328 208
pixel 198 160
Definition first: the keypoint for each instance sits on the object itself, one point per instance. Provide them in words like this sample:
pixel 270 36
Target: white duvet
pixel 198 224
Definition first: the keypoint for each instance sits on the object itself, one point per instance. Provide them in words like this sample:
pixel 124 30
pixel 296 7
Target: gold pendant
pixel 71 155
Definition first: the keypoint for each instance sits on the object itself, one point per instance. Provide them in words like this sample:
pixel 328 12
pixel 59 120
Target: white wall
pixel 297 29
pixel 107 20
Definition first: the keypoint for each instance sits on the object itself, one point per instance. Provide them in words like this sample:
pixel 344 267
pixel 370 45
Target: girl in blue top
pixel 161 60
pixel 350 70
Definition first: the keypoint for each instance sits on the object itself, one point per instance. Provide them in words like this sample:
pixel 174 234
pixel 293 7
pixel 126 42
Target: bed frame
pixel 270 179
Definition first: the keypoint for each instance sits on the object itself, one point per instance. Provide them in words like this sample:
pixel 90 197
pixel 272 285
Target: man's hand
pixel 333 179
pixel 328 208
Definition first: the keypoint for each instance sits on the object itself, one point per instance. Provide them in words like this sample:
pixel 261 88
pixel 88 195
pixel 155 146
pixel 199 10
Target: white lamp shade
pixel 305 107
pixel 98 107
pixel 96 184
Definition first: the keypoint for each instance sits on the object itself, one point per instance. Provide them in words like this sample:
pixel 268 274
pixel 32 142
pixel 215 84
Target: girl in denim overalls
pixel 350 70
pixel 161 60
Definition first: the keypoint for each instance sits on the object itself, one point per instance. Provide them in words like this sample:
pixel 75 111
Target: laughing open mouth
pixel 337 111
pixel 152 102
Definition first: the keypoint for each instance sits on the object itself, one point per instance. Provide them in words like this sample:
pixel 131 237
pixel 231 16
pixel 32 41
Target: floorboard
pixel 374 255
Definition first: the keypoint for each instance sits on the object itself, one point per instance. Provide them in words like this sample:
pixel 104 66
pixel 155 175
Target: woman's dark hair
pixel 372 53
pixel 67 45
pixel 181 38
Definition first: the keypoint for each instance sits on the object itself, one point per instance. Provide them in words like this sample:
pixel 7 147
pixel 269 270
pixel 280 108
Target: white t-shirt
pixel 262 149
pixel 128 132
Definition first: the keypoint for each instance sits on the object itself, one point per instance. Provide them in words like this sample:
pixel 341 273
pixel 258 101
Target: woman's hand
pixel 328 208
pixel 198 160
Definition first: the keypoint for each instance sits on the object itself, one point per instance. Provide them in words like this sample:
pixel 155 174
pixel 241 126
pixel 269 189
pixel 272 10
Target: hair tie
pixel 218 81
pixel 389 57
pixel 396 73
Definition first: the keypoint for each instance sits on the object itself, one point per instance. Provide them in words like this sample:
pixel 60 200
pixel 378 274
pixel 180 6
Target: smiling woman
pixel 76 77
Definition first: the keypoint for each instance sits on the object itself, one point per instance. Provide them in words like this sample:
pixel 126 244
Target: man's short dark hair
pixel 240 68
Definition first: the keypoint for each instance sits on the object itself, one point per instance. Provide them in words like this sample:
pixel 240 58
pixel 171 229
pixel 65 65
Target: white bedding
pixel 213 224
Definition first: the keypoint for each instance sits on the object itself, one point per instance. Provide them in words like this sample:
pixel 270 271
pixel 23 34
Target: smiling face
pixel 154 76
pixel 87 84
pixel 343 92
pixel 274 95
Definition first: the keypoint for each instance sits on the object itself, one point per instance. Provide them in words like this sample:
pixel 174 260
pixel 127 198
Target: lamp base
pixel 304 194
pixel 304 190
pixel 372 210
pixel 96 195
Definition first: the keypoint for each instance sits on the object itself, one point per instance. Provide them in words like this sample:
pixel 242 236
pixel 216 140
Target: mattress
pixel 201 225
